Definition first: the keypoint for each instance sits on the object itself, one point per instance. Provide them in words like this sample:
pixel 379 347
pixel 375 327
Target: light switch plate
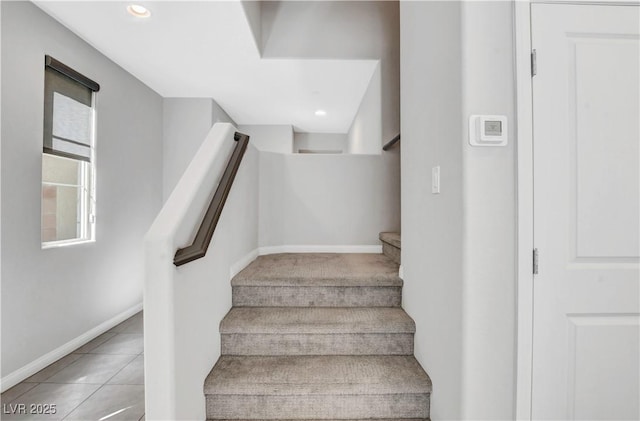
pixel 435 180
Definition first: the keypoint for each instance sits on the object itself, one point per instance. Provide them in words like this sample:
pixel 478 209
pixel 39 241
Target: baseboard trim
pixel 243 262
pixel 319 249
pixel 401 272
pixel 33 367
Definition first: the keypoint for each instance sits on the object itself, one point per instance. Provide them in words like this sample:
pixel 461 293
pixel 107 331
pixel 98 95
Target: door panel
pixel 605 353
pixel 586 107
pixel 606 160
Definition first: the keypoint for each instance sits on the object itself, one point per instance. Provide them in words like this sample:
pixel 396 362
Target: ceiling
pixel 207 49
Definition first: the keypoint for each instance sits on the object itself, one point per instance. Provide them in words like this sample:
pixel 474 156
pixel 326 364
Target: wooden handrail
pixel 203 237
pixel 390 143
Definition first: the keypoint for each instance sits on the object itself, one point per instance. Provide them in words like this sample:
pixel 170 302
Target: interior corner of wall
pixel 365 134
pixel 253 14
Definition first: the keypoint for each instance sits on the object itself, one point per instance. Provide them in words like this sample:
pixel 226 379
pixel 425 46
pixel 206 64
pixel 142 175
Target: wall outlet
pixel 435 180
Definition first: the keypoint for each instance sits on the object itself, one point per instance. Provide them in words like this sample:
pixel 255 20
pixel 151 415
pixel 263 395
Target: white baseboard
pixel 243 262
pixel 33 367
pixel 319 249
pixel 401 273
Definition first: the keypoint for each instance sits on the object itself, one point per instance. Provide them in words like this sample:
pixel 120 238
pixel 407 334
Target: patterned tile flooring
pixel 100 381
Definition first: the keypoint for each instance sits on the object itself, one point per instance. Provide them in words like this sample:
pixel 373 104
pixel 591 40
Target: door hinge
pixel 534 63
pixel 535 261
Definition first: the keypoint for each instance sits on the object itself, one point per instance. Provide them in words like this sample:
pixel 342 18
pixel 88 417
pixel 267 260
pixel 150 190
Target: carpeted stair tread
pixel 392 238
pixel 318 320
pixel 317 375
pixel 319 270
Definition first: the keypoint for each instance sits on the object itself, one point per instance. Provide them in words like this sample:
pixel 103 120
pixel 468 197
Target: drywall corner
pixel 253 12
pixel 365 134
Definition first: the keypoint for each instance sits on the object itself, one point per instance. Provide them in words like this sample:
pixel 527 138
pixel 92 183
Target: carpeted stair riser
pixel 302 407
pixel 391 245
pixel 317 344
pixel 317 331
pixel 391 252
pixel 324 296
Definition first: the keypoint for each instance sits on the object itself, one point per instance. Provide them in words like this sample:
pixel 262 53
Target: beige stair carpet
pixel 317 336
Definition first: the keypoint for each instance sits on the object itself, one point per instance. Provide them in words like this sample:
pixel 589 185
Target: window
pixel 68 170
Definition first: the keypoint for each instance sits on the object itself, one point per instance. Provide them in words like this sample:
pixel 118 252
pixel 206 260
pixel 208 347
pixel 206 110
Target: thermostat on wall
pixel 488 130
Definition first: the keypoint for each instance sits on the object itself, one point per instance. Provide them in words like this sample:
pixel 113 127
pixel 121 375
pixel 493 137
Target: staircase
pixel 391 245
pixel 317 336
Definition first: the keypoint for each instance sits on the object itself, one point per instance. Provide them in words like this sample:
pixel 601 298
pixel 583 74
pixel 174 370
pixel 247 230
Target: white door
pixel 586 212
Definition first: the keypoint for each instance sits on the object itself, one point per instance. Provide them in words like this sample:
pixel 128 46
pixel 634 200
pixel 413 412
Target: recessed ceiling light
pixel 321 113
pixel 138 11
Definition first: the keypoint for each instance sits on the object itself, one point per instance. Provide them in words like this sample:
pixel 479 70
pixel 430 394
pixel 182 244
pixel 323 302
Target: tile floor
pixel 100 381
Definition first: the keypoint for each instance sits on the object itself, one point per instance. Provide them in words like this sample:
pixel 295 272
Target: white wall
pixel 53 296
pixel 327 200
pixel 458 246
pixel 185 123
pixel 432 231
pixel 270 138
pixel 320 142
pixel 490 217
pixel 184 305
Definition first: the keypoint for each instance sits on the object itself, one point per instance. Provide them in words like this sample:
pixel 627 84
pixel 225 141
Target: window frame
pixel 86 198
